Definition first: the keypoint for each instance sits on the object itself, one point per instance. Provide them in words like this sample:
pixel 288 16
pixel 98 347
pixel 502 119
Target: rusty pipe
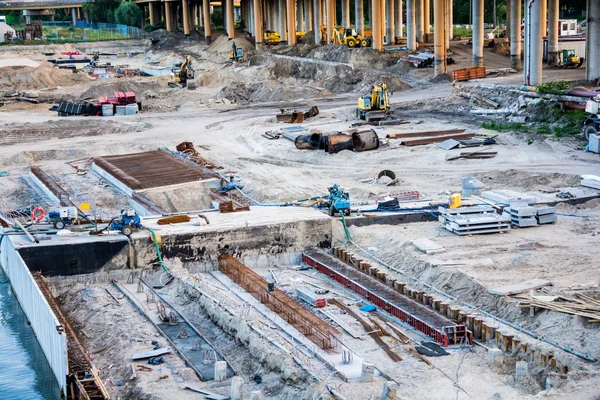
pixel 365 140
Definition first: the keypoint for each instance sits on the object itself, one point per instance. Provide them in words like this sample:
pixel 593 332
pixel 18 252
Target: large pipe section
pixel 592 43
pixel 411 32
pixel 535 11
pixel 439 46
pixel 515 34
pixel 552 32
pixel 478 33
pixel 376 27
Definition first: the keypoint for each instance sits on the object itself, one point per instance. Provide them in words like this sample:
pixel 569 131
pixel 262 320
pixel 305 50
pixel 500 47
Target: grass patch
pixel 462 32
pixel 554 87
pixel 505 127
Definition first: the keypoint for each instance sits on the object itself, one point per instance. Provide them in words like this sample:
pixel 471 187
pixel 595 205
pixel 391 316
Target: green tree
pixel 128 13
pixel 101 10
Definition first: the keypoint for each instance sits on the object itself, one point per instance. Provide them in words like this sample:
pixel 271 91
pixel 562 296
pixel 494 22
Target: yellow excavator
pixel 271 38
pixel 569 59
pixel 185 76
pixel 376 106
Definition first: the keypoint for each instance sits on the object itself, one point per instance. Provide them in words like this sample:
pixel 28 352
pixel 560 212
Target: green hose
pixel 345 227
pixel 160 260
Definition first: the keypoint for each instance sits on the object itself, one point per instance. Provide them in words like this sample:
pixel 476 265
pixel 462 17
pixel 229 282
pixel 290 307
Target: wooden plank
pixel 520 287
pixel 436 139
pixel 423 134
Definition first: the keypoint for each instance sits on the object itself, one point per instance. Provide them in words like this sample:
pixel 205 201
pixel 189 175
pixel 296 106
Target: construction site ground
pixel 225 118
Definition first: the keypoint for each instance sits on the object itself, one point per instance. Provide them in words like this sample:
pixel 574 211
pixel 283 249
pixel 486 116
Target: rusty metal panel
pixel 314 328
pixel 48 330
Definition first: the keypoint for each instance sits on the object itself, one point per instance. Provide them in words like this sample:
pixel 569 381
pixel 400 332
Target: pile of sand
pixel 220 48
pixel 42 77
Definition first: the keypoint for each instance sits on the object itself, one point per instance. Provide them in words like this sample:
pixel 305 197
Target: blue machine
pixel 126 222
pixel 338 200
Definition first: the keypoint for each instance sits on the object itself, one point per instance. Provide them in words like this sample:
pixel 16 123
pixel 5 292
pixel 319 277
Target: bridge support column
pixel 74 16
pixel 291 22
pixel 398 19
pixel 151 12
pixel 516 50
pixel 330 20
pixel 377 25
pixel 317 17
pixel 478 33
pixel 230 22
pixel 206 15
pixel 439 37
pixel 552 32
pixel 168 17
pixel 427 16
pixel 185 10
pixel 534 12
pixel 257 13
pixel 389 21
pixel 411 21
pixel 593 41
pixel 359 16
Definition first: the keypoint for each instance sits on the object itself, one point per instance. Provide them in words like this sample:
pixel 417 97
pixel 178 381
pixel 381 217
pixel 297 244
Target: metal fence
pixel 44 323
pixel 93 31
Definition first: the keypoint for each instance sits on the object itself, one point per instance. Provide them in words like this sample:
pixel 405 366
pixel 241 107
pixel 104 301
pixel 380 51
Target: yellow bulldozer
pixel 376 106
pixel 348 37
pixel 271 38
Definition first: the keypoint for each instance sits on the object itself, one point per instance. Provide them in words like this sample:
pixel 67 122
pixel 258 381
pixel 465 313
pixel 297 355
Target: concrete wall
pixel 256 246
pixel 44 323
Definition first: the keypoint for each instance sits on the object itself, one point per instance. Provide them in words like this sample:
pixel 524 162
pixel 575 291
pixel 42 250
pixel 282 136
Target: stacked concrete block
pixel 522 215
pixel 546 215
pixel 473 220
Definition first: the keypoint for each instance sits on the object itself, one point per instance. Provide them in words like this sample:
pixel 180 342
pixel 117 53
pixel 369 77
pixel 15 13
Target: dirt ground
pixel 225 118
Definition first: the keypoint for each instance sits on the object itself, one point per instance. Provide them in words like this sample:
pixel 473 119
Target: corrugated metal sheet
pixel 44 323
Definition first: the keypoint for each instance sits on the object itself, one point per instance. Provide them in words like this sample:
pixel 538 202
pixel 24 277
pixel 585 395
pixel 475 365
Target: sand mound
pixel 42 77
pixel 220 48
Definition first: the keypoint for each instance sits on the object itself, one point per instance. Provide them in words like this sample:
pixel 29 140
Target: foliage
pixel 552 122
pixel 128 13
pixel 155 27
pixel 462 32
pixel 217 16
pixel 101 10
pixel 554 87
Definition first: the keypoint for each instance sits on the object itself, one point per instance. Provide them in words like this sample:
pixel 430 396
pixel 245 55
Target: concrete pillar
pixel 451 18
pixel 317 20
pixel 439 47
pixel 220 371
pixel 377 24
pixel 281 21
pixel 230 21
pixel 28 19
pixel 552 32
pixel 291 22
pixel 389 21
pixel 346 13
pixel 420 20
pixel 330 19
pixel 206 15
pixel 370 5
pixel 151 12
pixel 258 22
pixel 508 12
pixel 536 10
pixel 447 26
pixel 478 33
pixel 592 46
pixel 310 15
pixel 515 34
pixel 191 16
pixel 521 369
pixel 367 372
pixel 300 16
pixel 411 31
pixel 398 23
pixel 186 17
pixel 494 357
pixel 78 13
pixel 237 385
pixel 359 16
pixel 427 16
pixel 73 16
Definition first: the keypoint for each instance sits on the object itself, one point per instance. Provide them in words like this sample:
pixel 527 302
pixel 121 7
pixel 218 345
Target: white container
pixel 592 106
pixel 120 110
pixel 594 145
pixel 131 109
pixel 108 110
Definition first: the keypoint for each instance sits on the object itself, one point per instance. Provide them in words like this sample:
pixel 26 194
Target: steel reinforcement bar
pixel 440 329
pixel 311 326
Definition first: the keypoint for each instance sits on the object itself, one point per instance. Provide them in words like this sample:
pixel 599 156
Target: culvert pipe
pixel 336 143
pixel 308 142
pixel 365 140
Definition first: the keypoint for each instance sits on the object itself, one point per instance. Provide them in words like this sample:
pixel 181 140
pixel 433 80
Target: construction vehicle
pixel 353 39
pixel 338 201
pixel 271 38
pixel 591 126
pixel 376 106
pixel 236 55
pixel 569 59
pixel 184 77
pixel 126 222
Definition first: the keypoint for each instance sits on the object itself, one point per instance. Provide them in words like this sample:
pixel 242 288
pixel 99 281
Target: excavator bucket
pixel 313 112
pixel 294 117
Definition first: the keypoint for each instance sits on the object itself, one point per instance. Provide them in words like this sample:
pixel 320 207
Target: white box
pixel 594 145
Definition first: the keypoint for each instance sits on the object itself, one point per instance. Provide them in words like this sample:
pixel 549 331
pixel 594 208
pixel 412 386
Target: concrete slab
pixel 428 246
